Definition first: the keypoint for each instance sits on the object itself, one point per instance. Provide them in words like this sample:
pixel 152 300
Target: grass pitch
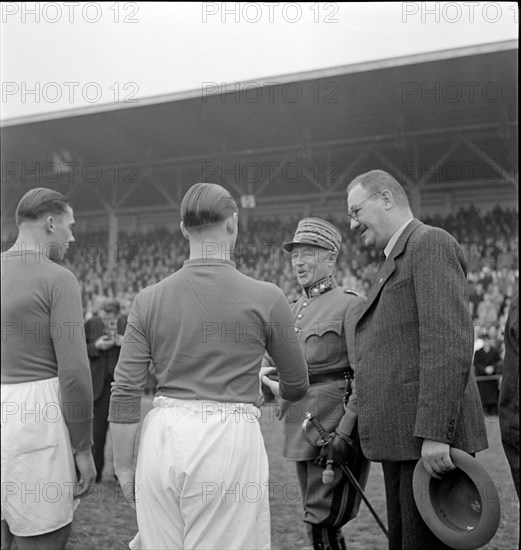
pixel 104 521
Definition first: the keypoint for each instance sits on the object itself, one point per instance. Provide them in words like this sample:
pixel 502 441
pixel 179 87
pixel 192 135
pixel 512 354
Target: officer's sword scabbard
pixel 327 438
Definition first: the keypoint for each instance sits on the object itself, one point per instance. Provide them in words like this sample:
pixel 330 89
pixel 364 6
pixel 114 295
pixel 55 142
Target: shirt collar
pixel 395 236
pixel 196 262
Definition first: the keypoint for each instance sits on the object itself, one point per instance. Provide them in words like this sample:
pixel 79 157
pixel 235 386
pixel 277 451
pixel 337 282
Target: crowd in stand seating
pixel 490 243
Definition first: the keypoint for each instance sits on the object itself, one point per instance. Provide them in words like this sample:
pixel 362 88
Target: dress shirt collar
pixel 395 236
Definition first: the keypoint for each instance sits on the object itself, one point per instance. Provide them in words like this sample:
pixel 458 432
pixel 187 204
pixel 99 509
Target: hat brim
pixel 289 245
pixel 451 534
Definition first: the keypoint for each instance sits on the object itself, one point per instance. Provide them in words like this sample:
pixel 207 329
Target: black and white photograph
pixel 260 276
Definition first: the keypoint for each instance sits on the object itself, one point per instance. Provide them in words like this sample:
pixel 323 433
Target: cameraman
pixel 104 333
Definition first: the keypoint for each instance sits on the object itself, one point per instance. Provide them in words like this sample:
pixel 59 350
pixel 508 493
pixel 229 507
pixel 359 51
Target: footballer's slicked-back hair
pixel 205 205
pixel 378 180
pixel 39 202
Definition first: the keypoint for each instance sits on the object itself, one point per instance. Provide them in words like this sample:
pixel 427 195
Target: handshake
pixel 269 380
pixel 269 387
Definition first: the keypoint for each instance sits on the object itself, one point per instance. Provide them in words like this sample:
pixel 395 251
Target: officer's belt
pixel 317 378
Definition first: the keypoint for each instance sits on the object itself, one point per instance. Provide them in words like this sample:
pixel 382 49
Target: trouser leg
pixel 327 538
pixel 326 507
pixel 407 530
pixel 99 429
pixel 512 454
pixel 203 479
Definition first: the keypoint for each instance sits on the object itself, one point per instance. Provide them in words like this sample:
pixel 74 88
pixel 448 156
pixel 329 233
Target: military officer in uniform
pixel 325 318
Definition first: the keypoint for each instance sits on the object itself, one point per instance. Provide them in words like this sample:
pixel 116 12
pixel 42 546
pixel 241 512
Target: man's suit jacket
pixel 102 362
pixel 414 349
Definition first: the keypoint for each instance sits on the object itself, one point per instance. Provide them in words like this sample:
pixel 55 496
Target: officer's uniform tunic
pixel 325 329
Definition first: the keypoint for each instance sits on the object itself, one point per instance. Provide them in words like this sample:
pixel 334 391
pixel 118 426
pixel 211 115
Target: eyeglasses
pixel 353 213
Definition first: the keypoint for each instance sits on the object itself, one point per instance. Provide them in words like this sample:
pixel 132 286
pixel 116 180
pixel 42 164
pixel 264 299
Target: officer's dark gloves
pixel 343 450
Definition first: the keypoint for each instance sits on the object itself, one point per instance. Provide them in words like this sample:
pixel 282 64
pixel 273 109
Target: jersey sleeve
pixel 285 350
pixel 131 372
pixel 67 334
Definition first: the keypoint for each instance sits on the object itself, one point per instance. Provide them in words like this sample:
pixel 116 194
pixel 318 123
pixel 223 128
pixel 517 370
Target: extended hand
pixel 282 407
pixel 266 374
pixel 264 394
pixel 127 479
pixel 436 458
pixel 266 371
pixel 272 385
pixel 85 464
pixel 343 450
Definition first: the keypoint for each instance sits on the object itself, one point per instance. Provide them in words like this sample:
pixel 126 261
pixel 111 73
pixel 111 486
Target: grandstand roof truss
pixel 445 121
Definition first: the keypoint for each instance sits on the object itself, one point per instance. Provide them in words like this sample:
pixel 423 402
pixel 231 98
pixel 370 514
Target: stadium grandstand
pixel 443 123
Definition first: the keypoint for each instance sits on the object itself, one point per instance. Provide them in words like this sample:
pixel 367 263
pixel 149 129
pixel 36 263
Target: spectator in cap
pixel 104 333
pixel 325 315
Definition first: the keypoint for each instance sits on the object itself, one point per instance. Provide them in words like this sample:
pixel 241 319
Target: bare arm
pixel 123 440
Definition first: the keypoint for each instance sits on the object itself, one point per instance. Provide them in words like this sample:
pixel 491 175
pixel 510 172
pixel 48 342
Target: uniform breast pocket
pixel 324 343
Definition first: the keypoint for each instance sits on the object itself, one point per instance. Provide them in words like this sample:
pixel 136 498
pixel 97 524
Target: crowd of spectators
pixel 489 241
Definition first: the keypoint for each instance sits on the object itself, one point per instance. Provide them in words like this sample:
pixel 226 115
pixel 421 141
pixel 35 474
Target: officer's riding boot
pixel 327 538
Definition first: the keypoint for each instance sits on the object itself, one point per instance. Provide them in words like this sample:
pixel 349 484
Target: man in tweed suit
pixel 417 395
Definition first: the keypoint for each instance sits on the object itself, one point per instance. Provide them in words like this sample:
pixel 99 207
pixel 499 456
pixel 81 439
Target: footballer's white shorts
pixel 202 477
pixel 37 465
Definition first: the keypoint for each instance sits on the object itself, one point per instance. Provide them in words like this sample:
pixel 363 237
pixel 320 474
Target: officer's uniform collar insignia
pixel 320 287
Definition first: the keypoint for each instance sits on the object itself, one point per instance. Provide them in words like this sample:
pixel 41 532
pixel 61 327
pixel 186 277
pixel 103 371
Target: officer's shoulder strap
pixel 360 297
